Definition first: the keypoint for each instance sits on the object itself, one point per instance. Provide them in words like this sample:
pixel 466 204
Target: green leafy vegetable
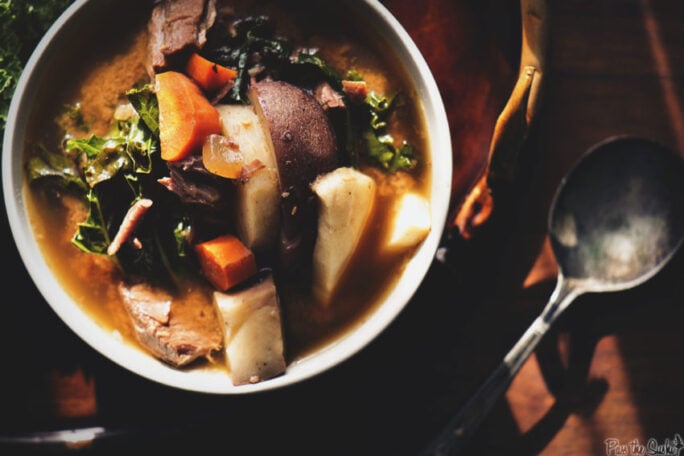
pixel 241 45
pixel 144 101
pixel 57 167
pixel 330 74
pixel 92 235
pixel 22 24
pixel 181 234
pixel 366 132
pixel 251 44
pixel 382 150
pixel 378 107
pixel 124 154
pixel 381 147
pixel 128 149
pixel 111 173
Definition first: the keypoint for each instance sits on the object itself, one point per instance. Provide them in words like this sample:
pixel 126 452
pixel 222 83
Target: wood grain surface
pixel 610 369
pixel 609 374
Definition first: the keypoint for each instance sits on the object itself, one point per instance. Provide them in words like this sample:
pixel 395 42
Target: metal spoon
pixel 616 220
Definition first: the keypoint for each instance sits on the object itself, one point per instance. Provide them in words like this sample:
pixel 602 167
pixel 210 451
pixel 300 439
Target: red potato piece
pixel 304 146
pixel 257 192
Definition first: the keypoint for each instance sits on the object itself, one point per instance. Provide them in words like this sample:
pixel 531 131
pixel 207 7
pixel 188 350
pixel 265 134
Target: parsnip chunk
pixel 253 338
pixel 411 223
pixel 257 192
pixel 346 197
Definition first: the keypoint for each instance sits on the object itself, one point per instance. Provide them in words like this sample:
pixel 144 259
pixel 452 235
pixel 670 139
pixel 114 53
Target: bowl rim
pixel 136 360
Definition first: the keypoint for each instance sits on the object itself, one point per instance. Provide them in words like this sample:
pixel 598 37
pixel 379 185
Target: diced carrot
pixel 226 261
pixel 186 117
pixel 209 75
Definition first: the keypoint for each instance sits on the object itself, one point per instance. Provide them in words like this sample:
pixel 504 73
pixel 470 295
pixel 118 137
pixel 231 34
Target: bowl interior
pixel 62 37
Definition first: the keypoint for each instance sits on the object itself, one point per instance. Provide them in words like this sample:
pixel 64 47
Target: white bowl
pixel 211 381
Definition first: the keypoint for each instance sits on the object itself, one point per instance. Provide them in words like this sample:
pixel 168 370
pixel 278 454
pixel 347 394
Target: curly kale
pixel 22 25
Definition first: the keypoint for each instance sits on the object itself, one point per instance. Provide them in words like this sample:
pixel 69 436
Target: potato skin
pixel 305 147
pixel 303 139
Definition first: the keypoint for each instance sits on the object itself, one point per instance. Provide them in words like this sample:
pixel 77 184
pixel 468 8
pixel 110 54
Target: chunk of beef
pixel 206 196
pixel 175 330
pixel 194 184
pixel 177 26
pixel 328 97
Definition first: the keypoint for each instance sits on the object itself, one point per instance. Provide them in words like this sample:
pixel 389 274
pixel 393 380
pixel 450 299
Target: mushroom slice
pixel 346 197
pixel 253 338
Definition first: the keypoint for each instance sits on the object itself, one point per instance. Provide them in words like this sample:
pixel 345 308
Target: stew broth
pixel 104 61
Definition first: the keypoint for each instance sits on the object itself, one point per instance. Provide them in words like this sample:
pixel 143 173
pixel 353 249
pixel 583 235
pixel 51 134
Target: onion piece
pixel 222 157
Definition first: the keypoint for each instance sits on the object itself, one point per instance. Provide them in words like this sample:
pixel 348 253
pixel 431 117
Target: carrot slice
pixel 209 75
pixel 186 117
pixel 226 261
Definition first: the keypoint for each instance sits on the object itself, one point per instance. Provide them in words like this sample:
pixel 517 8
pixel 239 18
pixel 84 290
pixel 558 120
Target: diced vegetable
pixel 222 156
pixel 209 75
pixel 225 261
pixel 346 197
pixel 186 117
pixel 411 222
pixel 253 337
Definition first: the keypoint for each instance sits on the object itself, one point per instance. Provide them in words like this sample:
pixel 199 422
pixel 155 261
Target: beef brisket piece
pixel 177 26
pixel 193 183
pixel 177 331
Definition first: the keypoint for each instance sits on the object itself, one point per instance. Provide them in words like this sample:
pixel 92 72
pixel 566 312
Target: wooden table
pixel 610 369
pixel 609 374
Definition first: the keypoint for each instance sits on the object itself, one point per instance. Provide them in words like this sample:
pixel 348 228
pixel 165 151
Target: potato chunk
pixel 258 191
pixel 411 222
pixel 304 146
pixel 346 197
pixel 253 332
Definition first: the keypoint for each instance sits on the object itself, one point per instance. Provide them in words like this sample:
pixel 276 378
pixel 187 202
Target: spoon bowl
pixel 617 218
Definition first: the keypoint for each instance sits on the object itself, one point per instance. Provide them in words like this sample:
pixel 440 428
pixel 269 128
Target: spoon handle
pixel 459 430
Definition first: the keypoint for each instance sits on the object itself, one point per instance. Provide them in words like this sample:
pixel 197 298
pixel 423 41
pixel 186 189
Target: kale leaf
pixel 111 173
pixel 58 168
pixel 381 148
pixel 22 25
pixel 92 235
pixel 245 43
pixel 144 101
